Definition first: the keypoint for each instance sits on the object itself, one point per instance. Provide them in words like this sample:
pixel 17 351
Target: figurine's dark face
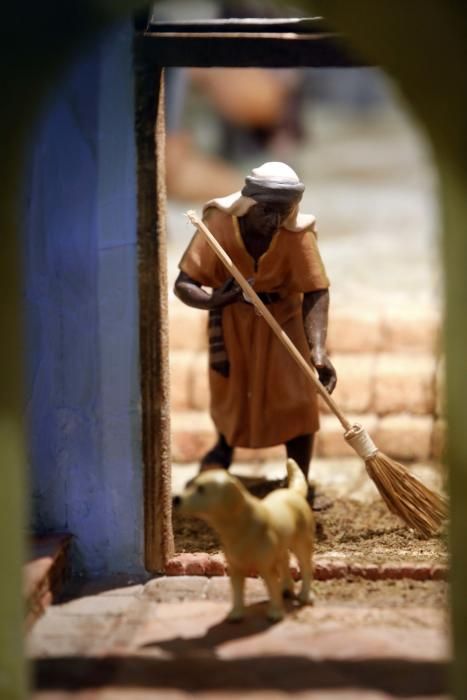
pixel 268 215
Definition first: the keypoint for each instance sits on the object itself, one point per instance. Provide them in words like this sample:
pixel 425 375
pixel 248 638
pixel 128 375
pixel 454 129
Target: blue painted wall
pixel 82 315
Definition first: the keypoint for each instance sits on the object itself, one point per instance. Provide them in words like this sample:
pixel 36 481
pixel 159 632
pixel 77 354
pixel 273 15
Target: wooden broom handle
pixel 268 317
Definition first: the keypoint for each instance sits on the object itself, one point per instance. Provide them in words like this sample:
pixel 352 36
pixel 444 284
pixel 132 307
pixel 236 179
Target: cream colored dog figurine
pixel 256 534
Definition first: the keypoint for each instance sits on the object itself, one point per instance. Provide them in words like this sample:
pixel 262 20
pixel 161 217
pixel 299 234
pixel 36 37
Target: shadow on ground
pixel 196 672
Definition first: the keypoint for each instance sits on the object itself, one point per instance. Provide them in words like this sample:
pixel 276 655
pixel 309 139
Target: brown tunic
pixel 266 399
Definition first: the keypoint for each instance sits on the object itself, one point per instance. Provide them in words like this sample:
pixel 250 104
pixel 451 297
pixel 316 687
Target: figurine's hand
pixel 326 372
pixel 229 293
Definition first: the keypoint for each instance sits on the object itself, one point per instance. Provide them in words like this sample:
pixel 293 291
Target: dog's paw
pixel 275 614
pixel 306 597
pixel 235 615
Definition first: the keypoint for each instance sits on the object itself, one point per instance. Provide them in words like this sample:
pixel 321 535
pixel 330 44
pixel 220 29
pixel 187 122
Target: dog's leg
pixel 237 582
pixel 303 551
pixel 273 584
pixel 287 580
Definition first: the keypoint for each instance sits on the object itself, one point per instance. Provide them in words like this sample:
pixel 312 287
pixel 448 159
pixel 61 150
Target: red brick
pixel 322 570
pixel 371 572
pixel 339 569
pixel 326 569
pixel 352 330
pixel 175 566
pixel 201 564
pixel 197 564
pixel 354 388
pixel 404 383
pixel 187 327
pixel 330 440
pixel 410 327
pixel 193 434
pixel 405 437
pixel 188 564
pixel 217 566
pixel 180 363
pixel 356 569
pixel 391 571
pixel 439 572
pixel 417 572
pixel 421 572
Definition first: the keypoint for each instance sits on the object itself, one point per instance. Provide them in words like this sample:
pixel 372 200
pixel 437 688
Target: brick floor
pixel 167 638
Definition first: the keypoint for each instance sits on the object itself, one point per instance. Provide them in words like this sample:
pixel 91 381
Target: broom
pixel 418 506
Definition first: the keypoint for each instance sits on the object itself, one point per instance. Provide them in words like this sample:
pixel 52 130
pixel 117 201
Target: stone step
pixel 390 329
pixel 402 436
pixel 44 573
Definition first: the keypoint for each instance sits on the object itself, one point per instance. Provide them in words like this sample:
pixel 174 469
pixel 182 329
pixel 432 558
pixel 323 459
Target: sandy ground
pixel 362 532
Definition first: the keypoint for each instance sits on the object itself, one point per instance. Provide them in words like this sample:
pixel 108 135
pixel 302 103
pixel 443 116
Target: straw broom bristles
pixel 407 497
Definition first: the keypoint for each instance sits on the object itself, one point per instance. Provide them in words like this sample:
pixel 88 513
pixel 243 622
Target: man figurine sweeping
pixel 259 396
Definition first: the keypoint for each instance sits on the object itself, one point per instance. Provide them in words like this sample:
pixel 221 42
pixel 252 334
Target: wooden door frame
pixel 222 43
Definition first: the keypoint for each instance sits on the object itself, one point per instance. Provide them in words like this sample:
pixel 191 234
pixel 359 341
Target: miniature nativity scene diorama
pixel 271 453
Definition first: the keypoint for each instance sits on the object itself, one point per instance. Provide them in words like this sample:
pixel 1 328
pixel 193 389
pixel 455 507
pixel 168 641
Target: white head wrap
pixel 272 175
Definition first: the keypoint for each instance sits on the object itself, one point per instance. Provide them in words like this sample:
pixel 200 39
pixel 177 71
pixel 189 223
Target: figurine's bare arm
pixel 315 321
pixel 191 293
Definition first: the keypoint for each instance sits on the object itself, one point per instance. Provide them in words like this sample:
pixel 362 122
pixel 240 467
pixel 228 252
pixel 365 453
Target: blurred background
pixel 367 168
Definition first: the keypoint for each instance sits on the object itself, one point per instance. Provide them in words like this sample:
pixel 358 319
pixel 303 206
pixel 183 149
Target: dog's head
pixel 211 495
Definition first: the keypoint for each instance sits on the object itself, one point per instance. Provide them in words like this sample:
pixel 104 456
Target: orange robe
pixel 266 399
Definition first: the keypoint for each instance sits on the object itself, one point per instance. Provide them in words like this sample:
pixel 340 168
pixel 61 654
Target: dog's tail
pixel 296 478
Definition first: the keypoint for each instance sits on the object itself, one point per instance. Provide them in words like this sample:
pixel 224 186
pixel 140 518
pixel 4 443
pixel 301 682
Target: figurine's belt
pixel 218 357
pixel 266 297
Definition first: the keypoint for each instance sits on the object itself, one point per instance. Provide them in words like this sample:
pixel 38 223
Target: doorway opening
pixel 364 145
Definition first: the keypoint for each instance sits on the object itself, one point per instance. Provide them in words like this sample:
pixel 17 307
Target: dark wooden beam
pixel 242 43
pixel 305 25
pixel 246 50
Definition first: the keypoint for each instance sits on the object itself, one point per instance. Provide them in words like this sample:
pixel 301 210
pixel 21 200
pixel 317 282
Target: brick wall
pixel 390 379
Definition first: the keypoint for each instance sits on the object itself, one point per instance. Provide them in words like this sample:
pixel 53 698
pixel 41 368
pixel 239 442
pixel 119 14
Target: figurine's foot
pixel 318 501
pixel 219 457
